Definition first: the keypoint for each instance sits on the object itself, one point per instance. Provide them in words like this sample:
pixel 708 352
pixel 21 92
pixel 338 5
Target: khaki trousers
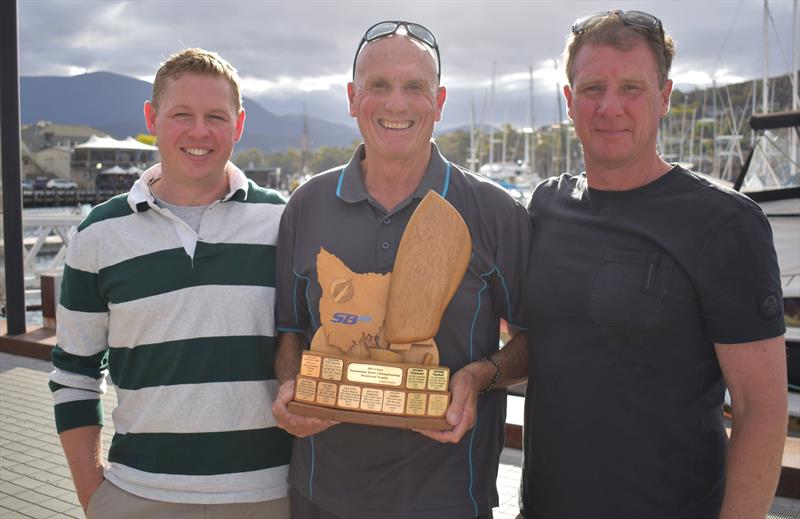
pixel 111 502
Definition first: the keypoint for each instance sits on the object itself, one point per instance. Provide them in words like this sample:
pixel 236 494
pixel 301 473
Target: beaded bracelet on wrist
pixel 494 379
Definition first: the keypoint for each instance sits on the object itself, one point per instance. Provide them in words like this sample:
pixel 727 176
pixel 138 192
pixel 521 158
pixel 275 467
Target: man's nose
pixel 611 103
pixel 199 126
pixel 396 100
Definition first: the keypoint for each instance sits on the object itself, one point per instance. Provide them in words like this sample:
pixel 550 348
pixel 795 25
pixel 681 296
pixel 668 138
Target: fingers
pixel 460 413
pixel 297 425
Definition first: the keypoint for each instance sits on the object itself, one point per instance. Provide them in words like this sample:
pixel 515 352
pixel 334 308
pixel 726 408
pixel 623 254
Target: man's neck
pixel 390 182
pixel 175 192
pixel 624 177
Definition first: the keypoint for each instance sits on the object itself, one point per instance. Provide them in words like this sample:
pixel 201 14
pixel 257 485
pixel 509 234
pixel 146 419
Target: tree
pixel 327 157
pixel 146 139
pixel 251 157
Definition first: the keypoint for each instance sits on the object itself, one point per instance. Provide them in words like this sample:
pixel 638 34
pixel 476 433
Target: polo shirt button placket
pixel 385 245
pixel 387 220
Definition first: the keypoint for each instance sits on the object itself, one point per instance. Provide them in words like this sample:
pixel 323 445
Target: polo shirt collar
pixel 140 198
pixel 351 188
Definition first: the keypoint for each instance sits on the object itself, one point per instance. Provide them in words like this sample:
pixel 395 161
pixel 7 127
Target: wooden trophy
pixel 373 360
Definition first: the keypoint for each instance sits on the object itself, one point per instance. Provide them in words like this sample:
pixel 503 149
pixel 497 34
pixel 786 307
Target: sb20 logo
pixel 341 318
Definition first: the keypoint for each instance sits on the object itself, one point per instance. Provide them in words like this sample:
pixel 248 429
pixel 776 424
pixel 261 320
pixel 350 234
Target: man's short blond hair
pixel 612 31
pixel 196 61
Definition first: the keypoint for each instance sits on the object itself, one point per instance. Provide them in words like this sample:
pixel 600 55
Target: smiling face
pixel 396 99
pixel 616 104
pixel 197 125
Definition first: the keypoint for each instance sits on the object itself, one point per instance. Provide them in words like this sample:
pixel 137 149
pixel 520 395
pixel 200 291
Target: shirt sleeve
pixel 739 281
pixel 291 308
pixel 80 357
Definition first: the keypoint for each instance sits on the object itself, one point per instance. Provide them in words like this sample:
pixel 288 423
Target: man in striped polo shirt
pixel 169 290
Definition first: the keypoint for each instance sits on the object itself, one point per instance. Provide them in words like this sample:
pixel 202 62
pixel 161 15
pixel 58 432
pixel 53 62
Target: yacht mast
pixel 491 116
pixel 765 80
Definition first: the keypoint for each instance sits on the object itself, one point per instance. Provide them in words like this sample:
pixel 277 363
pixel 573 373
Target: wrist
pixel 490 385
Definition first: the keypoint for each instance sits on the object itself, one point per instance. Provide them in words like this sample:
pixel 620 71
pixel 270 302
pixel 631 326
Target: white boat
pixel 771 177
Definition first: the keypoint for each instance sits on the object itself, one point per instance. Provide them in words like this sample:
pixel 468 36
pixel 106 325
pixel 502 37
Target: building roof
pixel 109 143
pixel 45 134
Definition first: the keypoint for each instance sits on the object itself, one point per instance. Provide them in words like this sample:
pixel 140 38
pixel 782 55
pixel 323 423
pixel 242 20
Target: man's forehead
pixel 395 49
pixel 636 54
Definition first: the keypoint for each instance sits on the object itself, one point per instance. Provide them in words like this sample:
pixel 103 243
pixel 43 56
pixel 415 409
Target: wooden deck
pixel 37 343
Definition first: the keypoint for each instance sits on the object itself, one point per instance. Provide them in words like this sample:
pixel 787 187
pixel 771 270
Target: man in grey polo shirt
pixel 359 212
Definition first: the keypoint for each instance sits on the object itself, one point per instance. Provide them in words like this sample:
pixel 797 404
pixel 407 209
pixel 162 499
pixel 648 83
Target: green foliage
pixel 454 146
pixel 146 139
pixel 291 160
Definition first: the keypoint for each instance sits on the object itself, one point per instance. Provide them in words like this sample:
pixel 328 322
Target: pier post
pixel 9 150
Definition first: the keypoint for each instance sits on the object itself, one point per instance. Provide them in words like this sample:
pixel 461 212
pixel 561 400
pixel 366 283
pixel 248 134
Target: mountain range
pixel 113 103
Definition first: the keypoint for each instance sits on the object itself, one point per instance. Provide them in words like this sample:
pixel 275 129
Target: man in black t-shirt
pixel 649 291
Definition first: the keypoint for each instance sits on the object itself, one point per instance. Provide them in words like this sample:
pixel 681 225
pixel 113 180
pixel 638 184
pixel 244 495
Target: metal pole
pixel 795 93
pixel 491 116
pixel 531 157
pixel 796 56
pixel 9 148
pixel 765 80
pixel 557 151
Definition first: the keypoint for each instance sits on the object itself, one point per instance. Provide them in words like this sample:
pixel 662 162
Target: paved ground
pixel 35 481
pixel 34 478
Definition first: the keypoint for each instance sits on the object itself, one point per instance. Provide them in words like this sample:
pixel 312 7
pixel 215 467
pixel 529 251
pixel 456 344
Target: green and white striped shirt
pixel 183 323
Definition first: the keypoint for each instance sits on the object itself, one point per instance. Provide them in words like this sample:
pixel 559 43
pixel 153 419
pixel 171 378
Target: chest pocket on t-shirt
pixel 630 288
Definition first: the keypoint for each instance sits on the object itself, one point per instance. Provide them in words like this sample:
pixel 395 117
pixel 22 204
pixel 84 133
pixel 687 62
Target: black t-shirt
pixel 627 293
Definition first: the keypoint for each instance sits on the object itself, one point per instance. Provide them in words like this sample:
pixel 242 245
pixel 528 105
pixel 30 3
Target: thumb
pixel 456 408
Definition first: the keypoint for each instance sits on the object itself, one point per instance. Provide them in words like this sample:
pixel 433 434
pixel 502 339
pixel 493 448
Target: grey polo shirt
pixel 360 471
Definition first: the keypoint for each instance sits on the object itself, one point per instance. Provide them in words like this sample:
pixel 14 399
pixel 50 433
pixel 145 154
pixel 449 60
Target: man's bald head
pixel 386 49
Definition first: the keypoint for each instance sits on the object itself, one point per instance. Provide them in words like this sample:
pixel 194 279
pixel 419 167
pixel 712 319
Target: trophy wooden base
pixel 360 417
pixel 371 392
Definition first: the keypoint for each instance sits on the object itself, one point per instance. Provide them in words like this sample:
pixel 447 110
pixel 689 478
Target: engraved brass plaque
pixel 374 374
pixel 332 368
pixel 305 389
pixel 415 404
pixel 371 399
pixel 349 396
pixel 393 401
pixel 437 379
pixel 437 404
pixel 416 378
pixel 326 393
pixel 309 367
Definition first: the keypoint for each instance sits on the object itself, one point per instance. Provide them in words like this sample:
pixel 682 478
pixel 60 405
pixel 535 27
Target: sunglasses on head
pixel 413 30
pixel 638 19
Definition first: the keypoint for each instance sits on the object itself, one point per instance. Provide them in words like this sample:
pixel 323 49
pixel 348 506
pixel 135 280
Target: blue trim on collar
pixel 339 184
pixel 446 181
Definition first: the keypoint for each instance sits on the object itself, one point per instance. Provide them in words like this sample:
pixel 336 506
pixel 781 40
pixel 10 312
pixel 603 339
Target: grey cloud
pixel 297 39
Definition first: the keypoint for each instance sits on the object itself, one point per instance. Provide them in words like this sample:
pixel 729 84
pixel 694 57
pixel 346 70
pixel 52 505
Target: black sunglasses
pixel 638 19
pixel 414 30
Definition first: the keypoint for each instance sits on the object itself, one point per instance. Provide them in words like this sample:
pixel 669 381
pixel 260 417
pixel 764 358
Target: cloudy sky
pixel 291 52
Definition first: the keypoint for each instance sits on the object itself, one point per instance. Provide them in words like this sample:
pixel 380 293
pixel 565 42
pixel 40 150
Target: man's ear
pixel 441 97
pixel 568 96
pixel 240 124
pixel 666 93
pixel 150 117
pixel 351 98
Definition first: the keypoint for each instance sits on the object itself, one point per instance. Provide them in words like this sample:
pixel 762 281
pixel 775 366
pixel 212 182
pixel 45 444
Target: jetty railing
pixel 45 239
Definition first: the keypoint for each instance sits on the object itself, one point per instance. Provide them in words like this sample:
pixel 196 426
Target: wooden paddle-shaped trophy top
pixel 430 263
